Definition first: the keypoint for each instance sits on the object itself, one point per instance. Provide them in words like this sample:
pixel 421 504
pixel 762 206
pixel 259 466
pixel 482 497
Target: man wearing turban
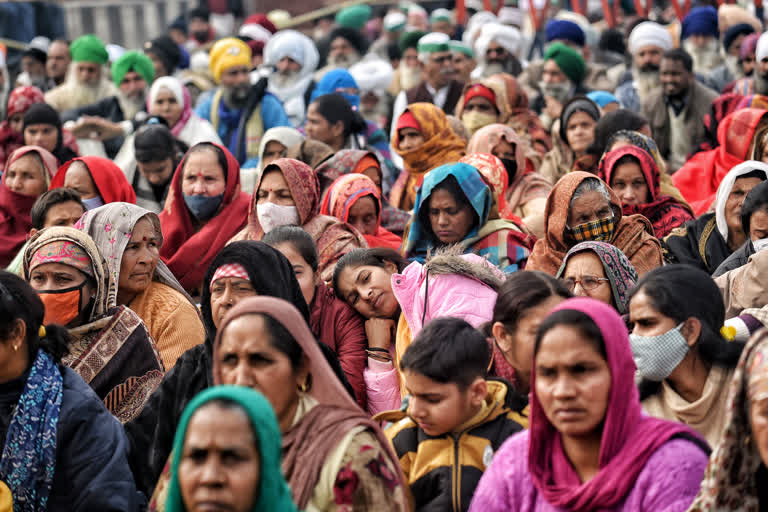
pixel 562 77
pixel 700 36
pixel 497 48
pixel 647 43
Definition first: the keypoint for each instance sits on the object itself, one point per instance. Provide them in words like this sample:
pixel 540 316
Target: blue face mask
pixel 93 202
pixel 203 207
pixel 657 357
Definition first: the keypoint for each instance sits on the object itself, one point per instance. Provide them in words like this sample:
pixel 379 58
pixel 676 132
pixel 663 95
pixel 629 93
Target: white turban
pixel 294 45
pixel 507 37
pixel 372 74
pixel 649 33
pixel 762 47
pixel 474 25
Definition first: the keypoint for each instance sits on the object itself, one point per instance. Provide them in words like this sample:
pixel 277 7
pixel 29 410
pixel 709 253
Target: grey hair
pixel 590 185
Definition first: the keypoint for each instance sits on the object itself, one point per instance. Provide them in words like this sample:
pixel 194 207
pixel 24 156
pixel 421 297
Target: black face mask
pixel 511 167
pixel 201 35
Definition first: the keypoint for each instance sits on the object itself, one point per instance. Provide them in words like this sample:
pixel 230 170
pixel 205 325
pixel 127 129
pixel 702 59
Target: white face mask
pixel 273 216
pixel 761 244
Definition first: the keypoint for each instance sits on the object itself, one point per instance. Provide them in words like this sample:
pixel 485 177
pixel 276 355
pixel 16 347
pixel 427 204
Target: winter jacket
pixel 438 481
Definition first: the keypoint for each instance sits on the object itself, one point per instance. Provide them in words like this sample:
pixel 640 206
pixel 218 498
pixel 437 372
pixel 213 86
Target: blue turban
pixel 335 81
pixel 701 21
pixel 731 33
pixel 602 98
pixel 566 31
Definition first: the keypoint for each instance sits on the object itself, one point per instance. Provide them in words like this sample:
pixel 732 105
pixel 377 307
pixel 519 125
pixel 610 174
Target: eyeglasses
pixel 587 282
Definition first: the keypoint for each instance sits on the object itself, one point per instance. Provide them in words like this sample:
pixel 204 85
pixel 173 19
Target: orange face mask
pixel 61 306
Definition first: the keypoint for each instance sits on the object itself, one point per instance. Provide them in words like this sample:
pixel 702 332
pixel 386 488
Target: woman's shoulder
pixel 162 294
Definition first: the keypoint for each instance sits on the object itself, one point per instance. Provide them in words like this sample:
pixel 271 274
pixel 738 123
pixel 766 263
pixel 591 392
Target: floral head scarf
pixel 493 171
pixel 21 98
pixel 344 193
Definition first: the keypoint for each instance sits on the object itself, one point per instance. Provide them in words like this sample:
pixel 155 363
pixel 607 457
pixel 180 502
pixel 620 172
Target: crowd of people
pixel 458 260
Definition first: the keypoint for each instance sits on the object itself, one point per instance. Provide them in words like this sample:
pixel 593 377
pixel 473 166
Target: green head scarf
pixel 273 493
pixel 133 61
pixel 88 48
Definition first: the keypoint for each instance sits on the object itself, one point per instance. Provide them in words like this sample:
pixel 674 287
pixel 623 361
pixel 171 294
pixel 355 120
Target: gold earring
pixel 303 387
pixel 16 348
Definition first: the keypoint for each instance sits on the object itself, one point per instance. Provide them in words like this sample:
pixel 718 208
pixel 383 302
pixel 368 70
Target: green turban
pixel 133 61
pixel 354 17
pixel 568 60
pixel 88 48
pixel 410 39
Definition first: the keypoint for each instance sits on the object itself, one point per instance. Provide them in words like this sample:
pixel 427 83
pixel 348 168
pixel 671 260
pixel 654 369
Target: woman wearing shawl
pixel 572 140
pixel 581 207
pixel 42 127
pixel 311 152
pixel 273 145
pixel 424 140
pixel 354 161
pixel 708 240
pixel 111 348
pixel 736 478
pixel 477 107
pixel 169 99
pixel 130 238
pixel 698 180
pixel 525 191
pixel 355 200
pixel 590 448
pixel 288 192
pixel 633 175
pixel 328 441
pixel 204 209
pixel 230 418
pixel 11 129
pixel 455 206
pixel 600 271
pixel 98 181
pixel 62 448
pixel 27 175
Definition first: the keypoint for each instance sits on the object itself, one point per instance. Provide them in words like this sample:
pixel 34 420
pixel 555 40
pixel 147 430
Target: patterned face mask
pixel 600 230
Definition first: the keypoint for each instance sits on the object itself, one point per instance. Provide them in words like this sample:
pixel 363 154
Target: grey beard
pixel 704 59
pixel 283 80
pixel 409 77
pixel 493 68
pixel 343 61
pixel 732 63
pixel 237 96
pixel 132 105
pixel 560 91
pixel 645 81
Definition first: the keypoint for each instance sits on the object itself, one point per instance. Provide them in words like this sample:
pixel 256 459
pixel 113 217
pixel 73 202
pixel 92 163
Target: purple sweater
pixel 668 482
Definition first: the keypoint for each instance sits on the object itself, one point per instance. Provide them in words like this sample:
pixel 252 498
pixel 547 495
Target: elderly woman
pixel 576 133
pixel 63 450
pixel 589 446
pixel 600 271
pixel 98 181
pixel 130 238
pixel 220 421
pixel 204 210
pixel 328 440
pixel 288 193
pixel 581 208
pixel 455 206
pixel 111 348
pixel 27 175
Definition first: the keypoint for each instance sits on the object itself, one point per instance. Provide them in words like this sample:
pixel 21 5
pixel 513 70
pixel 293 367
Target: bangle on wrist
pixel 377 349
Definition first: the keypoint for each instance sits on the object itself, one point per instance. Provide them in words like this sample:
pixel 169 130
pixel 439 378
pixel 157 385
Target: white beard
pixel 645 82
pixel 343 61
pixel 409 77
pixel 131 106
pixel 732 63
pixel 281 80
pixel 704 59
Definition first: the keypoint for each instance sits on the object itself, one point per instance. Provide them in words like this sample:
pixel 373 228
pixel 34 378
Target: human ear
pixel 478 391
pixel 691 330
pixel 502 337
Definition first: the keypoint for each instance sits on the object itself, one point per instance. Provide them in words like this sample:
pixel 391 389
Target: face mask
pixel 761 244
pixel 61 306
pixel 511 167
pixel 559 91
pixel 273 216
pixel 657 357
pixel 600 230
pixel 203 207
pixel 474 120
pixel 93 202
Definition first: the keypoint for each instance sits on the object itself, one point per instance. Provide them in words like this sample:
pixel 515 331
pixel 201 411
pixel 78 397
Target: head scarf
pixel 63 252
pixel 186 251
pixel 307 445
pixel 344 193
pixel 628 440
pixel 285 135
pixel 724 190
pixel 346 161
pixel 441 145
pixel 582 104
pixel 88 48
pixel 664 212
pixel 494 173
pixel 272 492
pixel 729 481
pixel 133 61
pixel 699 178
pixel 602 98
pixel 294 45
pixel 109 179
pixel 748 46
pixel 42 113
pixel 643 142
pixel 21 98
pixel 179 92
pixel 618 269
pixel 311 152
pixel 338 81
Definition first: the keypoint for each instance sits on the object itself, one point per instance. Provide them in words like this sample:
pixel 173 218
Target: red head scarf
pixel 109 179
pixel 19 101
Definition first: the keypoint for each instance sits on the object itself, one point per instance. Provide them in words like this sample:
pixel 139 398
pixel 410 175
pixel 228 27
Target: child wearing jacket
pixel 453 419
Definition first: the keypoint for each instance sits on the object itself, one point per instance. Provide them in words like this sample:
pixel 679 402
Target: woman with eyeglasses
pixel 600 271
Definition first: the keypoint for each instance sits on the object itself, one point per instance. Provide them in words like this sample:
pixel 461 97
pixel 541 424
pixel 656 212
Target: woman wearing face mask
pixel 204 210
pixel 633 175
pixel 130 239
pixel 572 139
pixel 98 181
pixel 477 107
pixel 589 446
pixel 455 206
pixel 27 175
pixel 111 348
pixel 684 360
pixel 600 271
pixel 737 479
pixel 526 192
pixel 581 207
pixel 42 127
pixel 288 193
pixel 220 421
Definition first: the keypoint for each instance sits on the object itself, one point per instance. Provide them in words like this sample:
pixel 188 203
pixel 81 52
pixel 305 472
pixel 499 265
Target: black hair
pixel 19 301
pixel 451 186
pixel 335 107
pixel 611 123
pixel 48 200
pixel 752 174
pixel 579 321
pixel 680 55
pixel 377 257
pixel 394 52
pixel 756 200
pixel 35 53
pixel 199 13
pixel 301 241
pixel 448 350
pixel 681 292
pixel 208 146
pixel 521 292
pixel 612 40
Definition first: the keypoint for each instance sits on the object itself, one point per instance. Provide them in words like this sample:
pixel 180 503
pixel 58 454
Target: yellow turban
pixel 228 53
